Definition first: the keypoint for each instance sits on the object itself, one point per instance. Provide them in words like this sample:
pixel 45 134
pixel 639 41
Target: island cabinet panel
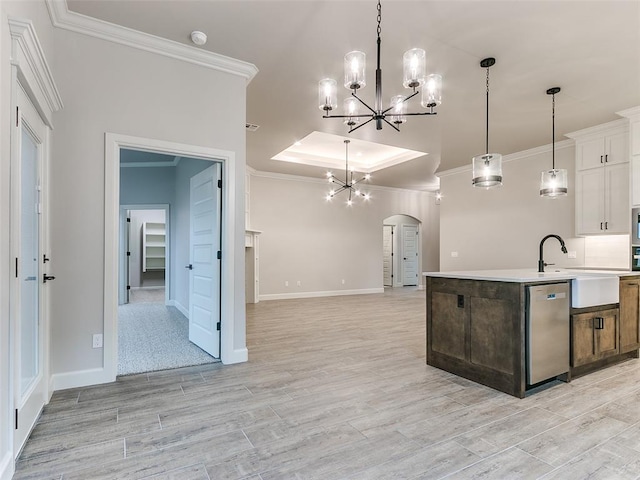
pixel 475 329
pixel 448 325
pixel 629 314
pixel 594 336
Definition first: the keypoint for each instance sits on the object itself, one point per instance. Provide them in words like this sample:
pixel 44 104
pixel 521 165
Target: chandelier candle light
pixel 414 67
pixel 553 183
pixel 349 183
pixel 487 168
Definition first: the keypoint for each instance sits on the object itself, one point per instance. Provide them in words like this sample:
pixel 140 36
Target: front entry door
pixel 409 255
pixel 204 269
pixel 27 289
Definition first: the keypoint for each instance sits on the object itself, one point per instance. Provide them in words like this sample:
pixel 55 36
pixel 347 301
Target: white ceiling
pixel 591 49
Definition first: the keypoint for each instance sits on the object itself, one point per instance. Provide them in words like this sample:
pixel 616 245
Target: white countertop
pixel 526 275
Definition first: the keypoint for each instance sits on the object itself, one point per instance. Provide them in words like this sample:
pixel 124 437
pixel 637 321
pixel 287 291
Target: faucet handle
pixel 547 264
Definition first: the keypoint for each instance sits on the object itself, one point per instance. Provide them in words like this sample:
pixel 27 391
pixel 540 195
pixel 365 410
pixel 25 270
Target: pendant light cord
pixel 553 131
pixel 487 131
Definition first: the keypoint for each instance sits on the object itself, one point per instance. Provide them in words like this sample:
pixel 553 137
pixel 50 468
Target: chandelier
pixel 414 67
pixel 349 183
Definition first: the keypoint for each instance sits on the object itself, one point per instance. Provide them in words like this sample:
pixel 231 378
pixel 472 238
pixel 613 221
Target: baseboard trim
pixel 332 293
pixel 180 307
pixel 238 355
pixel 6 466
pixel 81 378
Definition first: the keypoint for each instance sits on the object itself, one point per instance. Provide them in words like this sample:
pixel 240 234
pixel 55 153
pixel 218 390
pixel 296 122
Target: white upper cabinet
pixel 602 179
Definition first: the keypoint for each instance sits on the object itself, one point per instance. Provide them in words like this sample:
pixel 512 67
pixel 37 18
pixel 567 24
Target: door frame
pixel 122 282
pixel 230 174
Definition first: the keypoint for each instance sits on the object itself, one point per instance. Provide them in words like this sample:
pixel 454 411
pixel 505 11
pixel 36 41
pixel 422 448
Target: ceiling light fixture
pixel 414 67
pixel 487 168
pixel 553 183
pixel 349 183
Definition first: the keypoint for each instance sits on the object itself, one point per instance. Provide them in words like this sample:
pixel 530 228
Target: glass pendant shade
pixel 432 91
pixel 414 66
pixel 354 64
pixel 351 107
pixel 398 109
pixel 487 170
pixel 327 94
pixel 553 183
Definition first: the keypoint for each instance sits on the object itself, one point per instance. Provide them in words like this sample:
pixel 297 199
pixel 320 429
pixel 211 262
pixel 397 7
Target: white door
pixel 204 267
pixel 409 255
pixel 387 255
pixel 28 305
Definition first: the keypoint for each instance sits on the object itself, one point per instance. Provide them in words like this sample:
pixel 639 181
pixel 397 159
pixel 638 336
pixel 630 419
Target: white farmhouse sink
pixel 591 291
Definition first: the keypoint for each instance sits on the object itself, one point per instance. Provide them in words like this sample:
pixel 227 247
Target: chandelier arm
pixel 389 123
pixel 403 101
pixel 362 124
pixel 420 113
pixel 348 116
pixel 364 103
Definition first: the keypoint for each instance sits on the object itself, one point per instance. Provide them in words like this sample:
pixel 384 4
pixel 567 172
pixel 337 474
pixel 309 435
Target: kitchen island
pixel 477 325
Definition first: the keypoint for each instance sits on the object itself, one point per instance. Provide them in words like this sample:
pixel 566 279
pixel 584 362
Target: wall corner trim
pixel 238 355
pixel 62 17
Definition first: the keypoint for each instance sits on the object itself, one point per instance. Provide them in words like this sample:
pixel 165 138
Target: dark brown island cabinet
pixel 477 329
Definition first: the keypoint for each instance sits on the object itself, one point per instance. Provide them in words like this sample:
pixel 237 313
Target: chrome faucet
pixel 563 247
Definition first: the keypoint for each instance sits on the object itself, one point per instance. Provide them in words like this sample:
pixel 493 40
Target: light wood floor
pixel 337 388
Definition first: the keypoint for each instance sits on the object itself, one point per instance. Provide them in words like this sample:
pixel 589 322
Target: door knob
pixel 190 267
pixel 46 277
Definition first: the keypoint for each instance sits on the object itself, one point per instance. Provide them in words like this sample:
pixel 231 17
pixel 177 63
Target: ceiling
pixel 591 49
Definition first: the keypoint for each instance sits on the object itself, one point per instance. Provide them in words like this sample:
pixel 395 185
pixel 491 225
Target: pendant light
pixel 487 168
pixel 553 183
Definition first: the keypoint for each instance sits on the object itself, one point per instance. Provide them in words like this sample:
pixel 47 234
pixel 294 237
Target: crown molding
pixel 62 17
pixel 512 157
pixel 33 70
pixel 630 113
pixel 622 124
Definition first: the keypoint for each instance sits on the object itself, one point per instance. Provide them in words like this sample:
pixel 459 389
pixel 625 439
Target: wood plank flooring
pixel 336 388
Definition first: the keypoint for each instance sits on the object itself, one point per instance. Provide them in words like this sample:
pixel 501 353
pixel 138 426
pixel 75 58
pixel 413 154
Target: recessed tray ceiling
pixel 326 150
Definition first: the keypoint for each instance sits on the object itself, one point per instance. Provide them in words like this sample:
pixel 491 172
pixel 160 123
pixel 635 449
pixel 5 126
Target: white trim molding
pixel 598 130
pixel 6 466
pixel 34 73
pixel 232 318
pixel 81 378
pixel 331 293
pixel 62 17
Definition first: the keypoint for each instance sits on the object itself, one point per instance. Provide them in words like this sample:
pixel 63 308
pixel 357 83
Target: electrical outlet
pixel 571 254
pixel 286 283
pixel 299 283
pixel 97 340
pixel 454 254
pixel 343 281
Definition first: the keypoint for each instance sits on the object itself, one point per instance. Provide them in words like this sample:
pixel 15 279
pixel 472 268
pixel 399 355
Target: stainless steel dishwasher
pixel 547 331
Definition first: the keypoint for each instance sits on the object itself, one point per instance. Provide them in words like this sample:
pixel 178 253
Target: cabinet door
pixel 448 325
pixel 590 154
pixel 629 315
pixel 616 179
pixel 607 337
pixel 583 343
pixel 590 206
pixel 616 149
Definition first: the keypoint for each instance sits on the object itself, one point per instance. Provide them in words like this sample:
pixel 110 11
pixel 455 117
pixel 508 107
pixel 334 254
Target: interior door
pixel 387 255
pixel 409 255
pixel 204 267
pixel 27 295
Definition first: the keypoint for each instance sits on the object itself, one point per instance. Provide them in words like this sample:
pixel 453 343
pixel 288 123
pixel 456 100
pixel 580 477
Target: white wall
pixel 502 227
pixel 114 88
pixel 37 13
pixel 318 243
